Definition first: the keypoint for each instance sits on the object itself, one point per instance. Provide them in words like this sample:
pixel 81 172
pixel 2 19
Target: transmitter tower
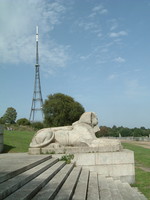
pixel 37 101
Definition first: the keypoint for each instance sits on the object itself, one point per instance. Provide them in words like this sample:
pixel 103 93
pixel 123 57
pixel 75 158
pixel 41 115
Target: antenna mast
pixel 37 101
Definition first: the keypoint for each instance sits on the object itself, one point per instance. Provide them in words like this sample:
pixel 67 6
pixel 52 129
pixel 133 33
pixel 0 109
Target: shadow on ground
pixel 7 148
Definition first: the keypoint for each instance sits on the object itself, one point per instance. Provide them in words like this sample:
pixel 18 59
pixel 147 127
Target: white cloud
pixel 119 60
pixel 112 76
pixel 91 26
pixel 98 10
pixel 18 20
pixel 118 34
pixel 54 57
pixel 88 25
pixel 113 24
pixel 86 57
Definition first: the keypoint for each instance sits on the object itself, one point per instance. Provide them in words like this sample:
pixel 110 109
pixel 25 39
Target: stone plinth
pixel 73 150
pixel 108 162
pixel 119 165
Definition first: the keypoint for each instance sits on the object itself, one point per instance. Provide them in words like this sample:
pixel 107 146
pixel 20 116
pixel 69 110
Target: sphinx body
pixel 80 133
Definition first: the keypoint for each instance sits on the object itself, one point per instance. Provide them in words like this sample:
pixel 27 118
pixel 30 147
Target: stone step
pixel 53 186
pixel 122 190
pixel 11 185
pixel 29 190
pixel 93 189
pixel 115 194
pixel 105 193
pixel 67 190
pixel 131 191
pixel 81 188
pixel 142 197
pixel 18 165
pixel 47 178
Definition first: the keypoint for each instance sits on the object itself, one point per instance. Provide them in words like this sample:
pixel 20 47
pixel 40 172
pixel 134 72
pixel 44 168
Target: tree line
pixel 61 110
pixel 122 132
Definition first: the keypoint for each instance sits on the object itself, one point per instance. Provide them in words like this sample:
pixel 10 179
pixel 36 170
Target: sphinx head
pixel 91 119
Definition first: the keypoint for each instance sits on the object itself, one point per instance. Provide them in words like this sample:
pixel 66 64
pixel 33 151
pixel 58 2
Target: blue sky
pixel 97 51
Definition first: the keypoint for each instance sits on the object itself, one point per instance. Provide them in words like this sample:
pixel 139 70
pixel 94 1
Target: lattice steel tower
pixel 37 101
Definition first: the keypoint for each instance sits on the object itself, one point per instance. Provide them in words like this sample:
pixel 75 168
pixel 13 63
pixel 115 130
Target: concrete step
pixel 53 186
pixel 42 178
pixel 29 190
pixel 116 190
pixel 122 190
pixel 11 185
pixel 19 163
pixel 129 193
pixel 93 188
pixel 67 190
pixel 142 197
pixel 81 188
pixel 105 193
pixel 115 194
pixel 132 192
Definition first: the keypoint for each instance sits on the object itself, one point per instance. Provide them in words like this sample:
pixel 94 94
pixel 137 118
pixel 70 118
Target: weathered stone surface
pixel 119 165
pixel 54 185
pixel 59 181
pixel 77 149
pixel 93 190
pixel 13 184
pixel 29 190
pixel 82 186
pixel 81 133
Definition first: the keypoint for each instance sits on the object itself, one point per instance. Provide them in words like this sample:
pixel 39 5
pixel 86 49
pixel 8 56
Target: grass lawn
pixel 142 159
pixel 17 141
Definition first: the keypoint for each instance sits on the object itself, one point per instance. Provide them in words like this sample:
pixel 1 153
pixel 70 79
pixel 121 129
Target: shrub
pixel 67 158
pixel 37 125
pixel 23 121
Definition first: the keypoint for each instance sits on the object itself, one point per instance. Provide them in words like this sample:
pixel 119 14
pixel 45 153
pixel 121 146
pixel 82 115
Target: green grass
pixel 142 159
pixel 142 181
pixel 141 154
pixel 17 141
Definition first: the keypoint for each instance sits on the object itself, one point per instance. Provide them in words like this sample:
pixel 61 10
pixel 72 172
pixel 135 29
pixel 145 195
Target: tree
pixel 60 110
pixel 137 132
pixel 125 132
pixel 104 132
pixel 37 125
pixel 10 115
pixel 23 121
pixel 2 121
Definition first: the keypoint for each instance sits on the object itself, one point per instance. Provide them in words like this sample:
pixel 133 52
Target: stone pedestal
pixel 119 165
pixel 108 162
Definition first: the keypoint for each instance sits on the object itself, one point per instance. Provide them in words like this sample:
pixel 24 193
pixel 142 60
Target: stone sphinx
pixel 80 133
